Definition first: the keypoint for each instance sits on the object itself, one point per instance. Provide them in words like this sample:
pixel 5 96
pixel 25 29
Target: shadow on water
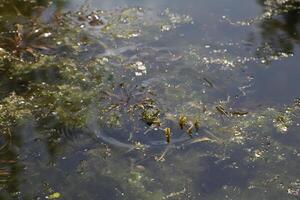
pixel 278 37
pixel 14 141
pixel 282 31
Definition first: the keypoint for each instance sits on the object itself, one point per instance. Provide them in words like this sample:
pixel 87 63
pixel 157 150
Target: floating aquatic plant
pixel 24 40
pixel 92 86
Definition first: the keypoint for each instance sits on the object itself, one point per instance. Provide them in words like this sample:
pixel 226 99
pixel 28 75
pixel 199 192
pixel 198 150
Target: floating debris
pixel 281 123
pixel 55 195
pixel 202 139
pixel 140 67
pixel 175 194
pixel 222 110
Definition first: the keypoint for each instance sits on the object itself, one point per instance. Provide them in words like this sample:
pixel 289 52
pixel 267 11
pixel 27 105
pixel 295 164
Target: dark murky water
pixel 130 99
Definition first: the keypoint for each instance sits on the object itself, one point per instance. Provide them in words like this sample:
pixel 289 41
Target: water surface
pixel 130 99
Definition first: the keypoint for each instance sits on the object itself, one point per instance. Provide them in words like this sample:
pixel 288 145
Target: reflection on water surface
pixel 149 100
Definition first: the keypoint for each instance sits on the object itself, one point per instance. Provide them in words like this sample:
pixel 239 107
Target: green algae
pixel 75 89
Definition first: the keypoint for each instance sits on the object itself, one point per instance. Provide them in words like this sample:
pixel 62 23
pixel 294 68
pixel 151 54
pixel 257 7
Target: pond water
pixel 168 99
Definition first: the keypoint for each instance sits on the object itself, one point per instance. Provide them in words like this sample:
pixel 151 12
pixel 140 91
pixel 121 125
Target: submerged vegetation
pixel 98 98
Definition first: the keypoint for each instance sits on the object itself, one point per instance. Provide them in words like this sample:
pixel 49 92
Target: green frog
pixel 151 116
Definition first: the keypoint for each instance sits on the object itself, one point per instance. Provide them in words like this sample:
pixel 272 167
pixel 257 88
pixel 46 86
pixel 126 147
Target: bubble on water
pixel 165 28
pixel 47 34
pixel 139 66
